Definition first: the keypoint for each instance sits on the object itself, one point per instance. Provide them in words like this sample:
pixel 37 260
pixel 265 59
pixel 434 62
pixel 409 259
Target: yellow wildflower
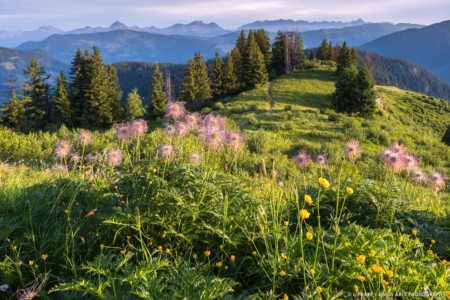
pixel 377 269
pixel 283 255
pixel 232 258
pixel 389 273
pixel 308 199
pixel 349 190
pixel 31 262
pixel 429 251
pixel 286 223
pixel 254 253
pixel 44 256
pixel 154 170
pixel 384 282
pixel 123 251
pixel 319 289
pixel 309 236
pixel 304 214
pixel 447 293
pixel 160 248
pixel 444 263
pixel 361 258
pixel 282 273
pixel 168 251
pixel 433 241
pixel 312 271
pixel 285 297
pixel 218 264
pixel 414 232
pixel 324 183
pixel 372 253
pixel 361 278
pixel 346 244
pixel 207 253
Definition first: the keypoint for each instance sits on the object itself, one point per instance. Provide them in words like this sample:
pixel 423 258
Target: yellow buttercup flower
pixel 372 253
pixel 123 251
pixel 207 253
pixel 349 190
pixel 285 297
pixel 346 244
pixel 160 248
pixel 254 253
pixel 308 199
pixel 312 271
pixel 232 258
pixel 361 258
pixel 429 251
pixel 283 255
pixel 319 289
pixel 309 236
pixel 389 273
pixel 218 264
pixel 286 223
pixel 433 241
pixel 414 232
pixel 168 251
pixel 282 273
pixel 324 183
pixel 31 263
pixel 304 214
pixel 384 282
pixel 377 269
pixel 44 256
pixel 361 278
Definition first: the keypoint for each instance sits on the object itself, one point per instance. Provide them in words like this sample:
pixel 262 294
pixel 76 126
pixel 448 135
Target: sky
pixel 229 14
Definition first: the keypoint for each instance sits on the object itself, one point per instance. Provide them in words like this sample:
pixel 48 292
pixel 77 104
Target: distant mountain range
pixel 301 26
pixel 428 47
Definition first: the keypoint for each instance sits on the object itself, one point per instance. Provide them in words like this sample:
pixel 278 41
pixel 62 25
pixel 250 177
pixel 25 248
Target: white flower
pixel 4 287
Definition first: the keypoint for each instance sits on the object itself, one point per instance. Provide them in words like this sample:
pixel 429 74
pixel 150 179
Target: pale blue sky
pixel 230 14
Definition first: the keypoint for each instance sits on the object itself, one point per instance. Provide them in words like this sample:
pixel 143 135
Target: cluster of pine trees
pixel 355 92
pixel 91 96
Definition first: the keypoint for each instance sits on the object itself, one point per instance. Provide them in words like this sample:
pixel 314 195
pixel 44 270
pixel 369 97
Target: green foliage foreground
pixel 233 225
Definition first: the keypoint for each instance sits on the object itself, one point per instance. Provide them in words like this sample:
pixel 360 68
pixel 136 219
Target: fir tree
pixel 134 107
pixel 37 93
pixel 217 77
pixel 446 137
pixel 287 53
pixel 229 82
pixel 238 68
pixel 263 41
pixel 114 94
pixel 347 57
pixel 344 98
pixel 324 52
pixel 158 98
pixel 202 85
pixel 239 55
pixel 188 85
pixel 62 112
pixel 278 54
pixel 256 72
pixel 365 93
pixel 78 85
pixel 13 113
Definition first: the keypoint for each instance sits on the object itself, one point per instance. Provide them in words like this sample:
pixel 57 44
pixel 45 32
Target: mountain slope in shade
pixel 13 63
pixel 125 45
pixel 355 35
pixel 13 38
pixel 428 47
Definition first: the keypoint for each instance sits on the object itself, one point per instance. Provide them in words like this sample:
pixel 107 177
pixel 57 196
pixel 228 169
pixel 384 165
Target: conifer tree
pixel 324 52
pixel 217 77
pixel 365 93
pixel 238 68
pixel 188 85
pixel 134 107
pixel 158 98
pixel 114 94
pixel 13 113
pixel 287 53
pixel 347 57
pixel 202 84
pixel 239 55
pixel 78 86
pixel 263 41
pixel 37 94
pixel 256 72
pixel 344 98
pixel 446 137
pixel 62 111
pixel 278 54
pixel 229 82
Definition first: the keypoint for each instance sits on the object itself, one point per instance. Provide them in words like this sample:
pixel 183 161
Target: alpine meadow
pixel 194 162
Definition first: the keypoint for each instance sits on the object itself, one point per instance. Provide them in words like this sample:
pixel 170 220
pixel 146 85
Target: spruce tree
pixel 134 106
pixel 188 85
pixel 344 98
pixel 37 93
pixel 256 72
pixel 239 55
pixel 62 111
pixel 114 94
pixel 217 77
pixel 446 137
pixel 347 57
pixel 237 66
pixel 158 98
pixel 365 93
pixel 229 82
pixel 287 53
pixel 263 41
pixel 278 54
pixel 13 113
pixel 202 84
pixel 78 86
pixel 323 52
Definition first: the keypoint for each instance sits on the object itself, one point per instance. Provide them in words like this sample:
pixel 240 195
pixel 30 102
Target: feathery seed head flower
pixel 309 236
pixel 308 199
pixel 304 214
pixel 322 160
pixel 182 129
pixel 302 160
pixel 193 120
pixel 361 258
pixel 377 269
pixel 410 162
pixel 75 158
pixel 195 158
pixel 214 122
pixel 437 181
pixel 166 152
pixel 63 149
pixel 60 169
pixel 361 278
pixel 349 190
pixel 124 132
pixel 352 150
pixel 169 129
pixel 235 140
pixel 84 137
pixel 139 127
pixel 175 110
pixel 215 139
pixel 419 176
pixel 394 161
pixel 115 157
pixel 324 183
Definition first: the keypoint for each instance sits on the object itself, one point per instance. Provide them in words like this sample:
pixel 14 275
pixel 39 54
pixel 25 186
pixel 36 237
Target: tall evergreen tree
pixel 256 72
pixel 37 93
pixel 287 53
pixel 347 57
pixel 238 67
pixel 324 52
pixel 188 85
pixel 344 98
pixel 134 106
pixel 78 86
pixel 114 94
pixel 217 77
pixel 446 137
pixel 230 78
pixel 263 41
pixel 158 98
pixel 13 113
pixel 62 111
pixel 278 54
pixel 203 86
pixel 239 55
pixel 365 93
